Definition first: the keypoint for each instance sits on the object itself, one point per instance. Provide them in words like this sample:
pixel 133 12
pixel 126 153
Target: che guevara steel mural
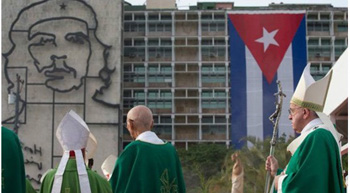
pixel 57 41
pixel 59 51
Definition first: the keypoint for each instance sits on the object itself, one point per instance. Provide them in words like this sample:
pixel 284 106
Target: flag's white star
pixel 268 38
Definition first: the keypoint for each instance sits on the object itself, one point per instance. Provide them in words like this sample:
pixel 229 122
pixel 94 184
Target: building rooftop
pixel 230 6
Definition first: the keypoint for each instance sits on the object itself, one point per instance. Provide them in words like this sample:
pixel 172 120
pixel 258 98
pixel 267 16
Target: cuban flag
pixel 265 46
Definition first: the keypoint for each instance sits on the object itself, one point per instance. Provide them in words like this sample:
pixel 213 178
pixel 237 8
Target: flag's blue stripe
pixel 299 52
pixel 238 88
pixel 268 104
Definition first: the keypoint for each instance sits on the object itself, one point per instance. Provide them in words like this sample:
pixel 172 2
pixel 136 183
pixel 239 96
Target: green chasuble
pixel 148 168
pixel 70 182
pixel 315 167
pixel 12 164
pixel 29 187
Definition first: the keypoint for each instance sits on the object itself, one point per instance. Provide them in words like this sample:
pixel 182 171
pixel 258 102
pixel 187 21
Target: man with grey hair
pixel 147 164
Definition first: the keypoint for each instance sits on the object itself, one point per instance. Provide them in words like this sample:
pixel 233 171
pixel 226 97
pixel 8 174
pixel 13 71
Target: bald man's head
pixel 139 120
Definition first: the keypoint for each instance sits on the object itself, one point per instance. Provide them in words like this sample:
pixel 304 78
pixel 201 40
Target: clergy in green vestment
pixel 12 164
pixel 72 175
pixel 147 165
pixel 71 179
pixel 315 165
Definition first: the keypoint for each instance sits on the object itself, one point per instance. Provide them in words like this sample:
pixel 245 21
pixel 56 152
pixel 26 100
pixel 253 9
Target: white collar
pixel 312 124
pixel 149 137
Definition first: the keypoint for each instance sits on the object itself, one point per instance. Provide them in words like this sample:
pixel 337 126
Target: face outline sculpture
pixel 58 48
pixel 64 69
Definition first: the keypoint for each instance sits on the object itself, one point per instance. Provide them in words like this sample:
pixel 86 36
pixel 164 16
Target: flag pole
pixel 274 118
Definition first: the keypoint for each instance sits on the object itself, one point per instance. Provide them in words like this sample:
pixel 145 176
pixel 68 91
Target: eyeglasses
pixel 292 111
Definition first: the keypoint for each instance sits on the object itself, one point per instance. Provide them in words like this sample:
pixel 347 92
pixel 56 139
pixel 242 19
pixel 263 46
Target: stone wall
pixel 66 55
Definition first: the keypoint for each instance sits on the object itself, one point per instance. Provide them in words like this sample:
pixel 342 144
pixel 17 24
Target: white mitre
pixel 309 93
pixel 108 166
pixel 91 147
pixel 312 94
pixel 73 134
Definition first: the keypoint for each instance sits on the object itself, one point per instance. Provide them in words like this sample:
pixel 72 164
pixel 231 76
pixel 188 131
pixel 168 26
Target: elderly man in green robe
pixel 315 165
pixel 72 175
pixel 149 164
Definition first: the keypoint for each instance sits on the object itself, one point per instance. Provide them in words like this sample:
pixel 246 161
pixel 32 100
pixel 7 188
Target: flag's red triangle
pixel 250 28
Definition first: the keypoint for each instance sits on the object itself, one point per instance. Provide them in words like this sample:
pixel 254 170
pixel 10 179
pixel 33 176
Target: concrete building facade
pixel 177 63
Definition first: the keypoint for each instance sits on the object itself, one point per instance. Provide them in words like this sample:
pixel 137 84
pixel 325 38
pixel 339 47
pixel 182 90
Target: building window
pixel 139 94
pixel 132 52
pixel 153 68
pixel 137 99
pixel 159 104
pixel 207 119
pixel 206 17
pixel 207 94
pixel 139 42
pixel 213 129
pixel 134 27
pixel 219 17
pixel 138 78
pixel 219 94
pixel 339 50
pixel 127 68
pixel 326 67
pixel 165 69
pixel 153 17
pixel 127 42
pixel 339 42
pixel 166 17
pixel 127 93
pixel 160 27
pixel 325 42
pixel 153 94
pixel 206 42
pixel 139 68
pixel 140 17
pixel 153 42
pixel 315 68
pixel 165 94
pixel 159 78
pixel 159 94
pixel 220 119
pixel 165 119
pixel 159 52
pixel 318 26
pixel 127 17
pixel 162 130
pixel 213 78
pixel 213 27
pixel 218 67
pixel 312 16
pixel 342 27
pixel 213 52
pixel 324 16
pixel 165 42
pixel 221 42
pixel 318 52
pixel 213 104
pixel 313 42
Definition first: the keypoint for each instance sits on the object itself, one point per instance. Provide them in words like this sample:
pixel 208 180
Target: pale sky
pixel 182 4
